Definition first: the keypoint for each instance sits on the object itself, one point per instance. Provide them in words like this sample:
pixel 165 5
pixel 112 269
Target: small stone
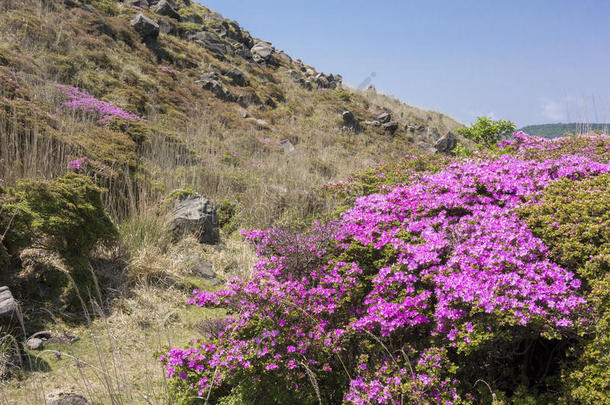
pixel 34 344
pixel 384 118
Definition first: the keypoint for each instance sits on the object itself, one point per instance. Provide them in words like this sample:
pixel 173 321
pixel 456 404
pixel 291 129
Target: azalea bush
pixel 411 296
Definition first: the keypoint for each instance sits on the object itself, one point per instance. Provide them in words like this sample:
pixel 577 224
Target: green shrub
pixel 65 215
pixel 487 132
pixel 573 219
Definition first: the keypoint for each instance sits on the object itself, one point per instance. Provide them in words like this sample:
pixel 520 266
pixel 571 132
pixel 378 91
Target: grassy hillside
pixel 557 130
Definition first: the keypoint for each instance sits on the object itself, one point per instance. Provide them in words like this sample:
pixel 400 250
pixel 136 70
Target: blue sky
pixel 535 61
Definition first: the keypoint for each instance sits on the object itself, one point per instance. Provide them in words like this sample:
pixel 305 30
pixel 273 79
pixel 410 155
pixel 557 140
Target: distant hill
pixel 556 130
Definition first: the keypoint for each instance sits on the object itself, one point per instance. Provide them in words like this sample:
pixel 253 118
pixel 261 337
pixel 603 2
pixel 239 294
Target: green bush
pixel 487 132
pixel 573 219
pixel 65 215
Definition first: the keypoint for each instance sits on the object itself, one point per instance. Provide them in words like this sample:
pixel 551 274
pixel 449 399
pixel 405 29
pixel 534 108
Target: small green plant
pixel 487 132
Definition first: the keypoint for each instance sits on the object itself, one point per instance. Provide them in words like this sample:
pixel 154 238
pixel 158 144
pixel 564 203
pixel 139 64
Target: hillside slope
pixel 201 104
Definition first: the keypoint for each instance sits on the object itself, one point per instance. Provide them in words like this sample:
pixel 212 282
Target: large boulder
pixel 446 144
pixel 166 8
pixel 262 51
pixel 10 314
pixel 195 215
pixel 147 28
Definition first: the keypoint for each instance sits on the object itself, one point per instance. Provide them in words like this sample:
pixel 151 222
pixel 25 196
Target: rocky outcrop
pixel 67 399
pixel 446 144
pixel 137 3
pixel 147 28
pixel 195 215
pixel 328 81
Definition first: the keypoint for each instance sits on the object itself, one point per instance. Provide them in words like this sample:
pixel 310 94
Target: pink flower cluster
pixel 80 100
pixel 78 164
pixel 167 69
pixel 431 263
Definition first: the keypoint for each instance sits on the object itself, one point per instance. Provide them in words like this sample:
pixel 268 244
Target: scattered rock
pixel 238 77
pixel 210 41
pixel 261 124
pixel 165 27
pixel 243 114
pixel 294 75
pixel 194 214
pixel 210 81
pixel 193 18
pixel 288 147
pixel 244 52
pixel 284 58
pixel 64 398
pixel 34 344
pixel 384 118
pixel 144 26
pixel 373 123
pixel 137 3
pixel 246 100
pixel 166 8
pixel 390 127
pixel 328 81
pixel 350 121
pixel 203 269
pixel 446 144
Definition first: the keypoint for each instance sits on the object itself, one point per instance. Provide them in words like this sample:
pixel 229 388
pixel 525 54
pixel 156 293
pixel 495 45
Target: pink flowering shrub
pixel 408 297
pixel 83 101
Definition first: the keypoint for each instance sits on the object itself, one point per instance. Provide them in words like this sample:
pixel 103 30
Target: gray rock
pixel 203 269
pixel 246 100
pixel 350 121
pixel 284 58
pixel 446 144
pixel 390 127
pixel 193 18
pixel 373 123
pixel 288 147
pixel 10 314
pixel 238 77
pixel 69 399
pixel 34 344
pixel 210 82
pixel 137 3
pixel 195 215
pixel 244 52
pixel 165 27
pixel 321 81
pixel 210 41
pixel 294 75
pixel 144 26
pixel 166 8
pixel 262 50
pixel 384 118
